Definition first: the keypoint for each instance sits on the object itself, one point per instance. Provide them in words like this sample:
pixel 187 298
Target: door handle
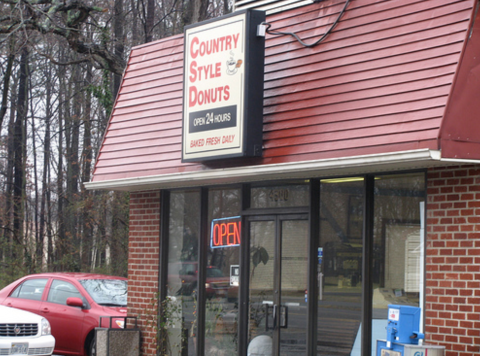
pixel 46 311
pixel 280 316
pixel 320 285
pixel 275 307
pixel 268 306
pixel 283 317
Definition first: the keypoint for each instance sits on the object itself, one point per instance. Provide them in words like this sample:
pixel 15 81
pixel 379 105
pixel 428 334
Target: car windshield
pixel 108 292
pixel 214 272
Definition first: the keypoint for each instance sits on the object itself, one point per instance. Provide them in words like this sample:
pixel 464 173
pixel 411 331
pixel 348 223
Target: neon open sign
pixel 226 232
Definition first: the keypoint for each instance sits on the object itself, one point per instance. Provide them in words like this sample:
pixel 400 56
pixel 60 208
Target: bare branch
pixel 66 19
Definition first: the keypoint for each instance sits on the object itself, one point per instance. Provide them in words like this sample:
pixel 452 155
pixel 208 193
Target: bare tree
pixel 48 221
pixel 6 80
pixel 19 148
pixel 65 19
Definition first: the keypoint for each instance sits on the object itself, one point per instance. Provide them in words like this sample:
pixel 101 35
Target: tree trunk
pixel 45 176
pixel 119 26
pixel 59 241
pixel 73 176
pixel 136 37
pixel 35 236
pixel 6 84
pixel 195 11
pixel 87 228
pixel 149 21
pixel 19 154
pixel 226 7
pixel 8 215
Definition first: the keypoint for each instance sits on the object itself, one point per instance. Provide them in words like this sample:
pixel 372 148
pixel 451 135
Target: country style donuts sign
pixel 217 58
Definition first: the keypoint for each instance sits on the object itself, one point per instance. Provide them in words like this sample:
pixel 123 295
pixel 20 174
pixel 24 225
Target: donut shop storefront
pixel 282 196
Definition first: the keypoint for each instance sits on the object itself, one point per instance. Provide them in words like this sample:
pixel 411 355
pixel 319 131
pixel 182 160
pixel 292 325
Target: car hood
pixel 13 315
pixel 218 280
pixel 114 311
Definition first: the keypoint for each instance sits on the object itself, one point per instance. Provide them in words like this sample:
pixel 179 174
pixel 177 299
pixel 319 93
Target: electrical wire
pixel 293 34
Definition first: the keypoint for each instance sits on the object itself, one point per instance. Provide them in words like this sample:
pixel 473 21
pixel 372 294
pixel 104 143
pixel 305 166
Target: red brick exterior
pixel 143 260
pixel 452 292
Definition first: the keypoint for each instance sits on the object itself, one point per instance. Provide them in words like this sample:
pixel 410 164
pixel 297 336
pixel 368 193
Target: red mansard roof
pixel 393 76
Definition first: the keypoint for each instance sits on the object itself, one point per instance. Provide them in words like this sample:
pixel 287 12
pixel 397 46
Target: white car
pixel 24 333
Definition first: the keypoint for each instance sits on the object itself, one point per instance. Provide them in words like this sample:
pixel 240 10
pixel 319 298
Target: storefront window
pixel 222 277
pixel 279 270
pixel 397 256
pixel 340 266
pixel 180 305
pixel 398 245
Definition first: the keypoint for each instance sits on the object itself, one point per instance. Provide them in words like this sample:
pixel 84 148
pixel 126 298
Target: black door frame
pixel 263 215
pixel 313 211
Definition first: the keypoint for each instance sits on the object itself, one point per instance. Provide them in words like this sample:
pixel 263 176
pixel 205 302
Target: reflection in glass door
pixel 340 267
pixel 278 284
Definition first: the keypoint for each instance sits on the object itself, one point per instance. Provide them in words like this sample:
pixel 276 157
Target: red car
pixel 73 304
pixel 186 274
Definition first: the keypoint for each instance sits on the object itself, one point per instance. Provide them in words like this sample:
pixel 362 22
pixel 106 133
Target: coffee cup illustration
pixel 233 65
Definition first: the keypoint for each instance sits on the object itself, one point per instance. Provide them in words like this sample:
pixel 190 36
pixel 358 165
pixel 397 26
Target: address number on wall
pixel 278 194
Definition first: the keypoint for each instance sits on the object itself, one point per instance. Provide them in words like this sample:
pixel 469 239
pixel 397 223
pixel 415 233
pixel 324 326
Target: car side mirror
pixel 75 302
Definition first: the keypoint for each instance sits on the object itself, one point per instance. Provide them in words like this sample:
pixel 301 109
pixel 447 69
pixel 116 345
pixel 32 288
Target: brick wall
pixel 143 259
pixel 452 313
pixel 453 260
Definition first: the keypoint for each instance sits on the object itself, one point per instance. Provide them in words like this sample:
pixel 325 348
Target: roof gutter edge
pixel 414 159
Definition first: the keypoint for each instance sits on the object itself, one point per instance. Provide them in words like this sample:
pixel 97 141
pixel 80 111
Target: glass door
pixel 340 267
pixel 278 284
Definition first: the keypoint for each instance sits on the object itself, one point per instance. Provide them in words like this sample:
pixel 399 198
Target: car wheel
pixel 92 349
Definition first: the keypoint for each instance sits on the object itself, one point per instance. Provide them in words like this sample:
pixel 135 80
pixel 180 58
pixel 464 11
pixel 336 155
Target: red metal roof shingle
pixel 380 82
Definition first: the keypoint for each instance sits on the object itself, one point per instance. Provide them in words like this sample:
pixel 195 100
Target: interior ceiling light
pixel 345 180
pixel 342 180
